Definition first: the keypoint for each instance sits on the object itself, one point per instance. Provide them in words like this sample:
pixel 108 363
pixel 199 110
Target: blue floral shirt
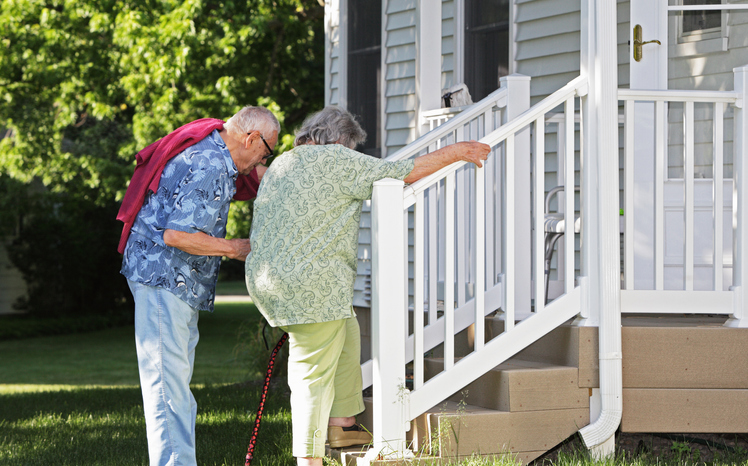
pixel 194 194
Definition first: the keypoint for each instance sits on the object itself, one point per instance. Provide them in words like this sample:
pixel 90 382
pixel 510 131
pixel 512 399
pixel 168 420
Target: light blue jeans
pixel 165 338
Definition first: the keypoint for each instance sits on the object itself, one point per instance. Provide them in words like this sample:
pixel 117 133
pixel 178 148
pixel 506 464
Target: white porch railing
pixel 455 125
pixel 679 229
pixel 394 403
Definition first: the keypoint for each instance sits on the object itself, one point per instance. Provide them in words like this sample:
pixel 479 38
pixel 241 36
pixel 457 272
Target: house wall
pixel 448 78
pixel 547 48
pixel 399 72
pixel 547 43
pixel 334 69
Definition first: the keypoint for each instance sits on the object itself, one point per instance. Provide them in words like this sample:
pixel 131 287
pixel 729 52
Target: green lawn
pixel 74 399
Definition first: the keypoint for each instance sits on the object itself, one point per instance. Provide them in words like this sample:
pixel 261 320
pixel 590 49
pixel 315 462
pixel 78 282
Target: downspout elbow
pixel 611 387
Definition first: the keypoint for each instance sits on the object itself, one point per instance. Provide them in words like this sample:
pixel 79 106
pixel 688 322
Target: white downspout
pixel 599 61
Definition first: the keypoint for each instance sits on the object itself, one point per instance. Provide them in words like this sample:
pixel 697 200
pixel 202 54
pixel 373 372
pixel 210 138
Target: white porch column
pixel 518 100
pixel 739 317
pixel 388 308
pixel 601 242
pixel 428 57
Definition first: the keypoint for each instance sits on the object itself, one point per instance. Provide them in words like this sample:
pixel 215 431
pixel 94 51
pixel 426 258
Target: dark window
pixel 700 20
pixel 486 45
pixel 365 69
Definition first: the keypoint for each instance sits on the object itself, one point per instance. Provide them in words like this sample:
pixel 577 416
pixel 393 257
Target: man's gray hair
pixel 331 125
pixel 251 119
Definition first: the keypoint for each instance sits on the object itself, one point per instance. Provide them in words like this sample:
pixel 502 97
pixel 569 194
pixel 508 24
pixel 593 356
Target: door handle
pixel 638 42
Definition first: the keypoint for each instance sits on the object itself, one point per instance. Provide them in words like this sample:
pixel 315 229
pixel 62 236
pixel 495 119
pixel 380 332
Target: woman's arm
pixel 471 151
pixel 201 244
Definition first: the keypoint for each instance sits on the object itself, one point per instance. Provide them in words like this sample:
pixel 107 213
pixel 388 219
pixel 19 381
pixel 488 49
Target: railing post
pixel 518 100
pixel 740 209
pixel 389 318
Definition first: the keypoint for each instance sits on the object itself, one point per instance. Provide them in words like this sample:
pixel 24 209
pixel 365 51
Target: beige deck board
pixel 489 432
pixel 685 411
pixel 685 357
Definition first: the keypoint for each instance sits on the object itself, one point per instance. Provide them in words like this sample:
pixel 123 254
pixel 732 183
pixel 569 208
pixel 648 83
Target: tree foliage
pixel 84 84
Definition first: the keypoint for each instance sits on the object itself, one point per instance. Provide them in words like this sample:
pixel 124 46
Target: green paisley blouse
pixel 305 232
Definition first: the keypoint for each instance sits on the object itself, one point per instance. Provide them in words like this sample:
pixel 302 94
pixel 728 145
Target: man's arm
pixel 201 244
pixel 471 151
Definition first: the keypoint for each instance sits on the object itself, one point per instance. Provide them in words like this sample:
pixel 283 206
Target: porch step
pixel 518 385
pixel 567 345
pixel 522 408
pixel 454 430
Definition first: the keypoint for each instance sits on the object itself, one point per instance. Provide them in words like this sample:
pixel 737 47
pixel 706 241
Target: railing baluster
pixel 460 204
pixel 569 195
pixel 418 257
pixel 490 182
pixel 480 258
pixel 462 239
pixel 688 130
pixel 628 209
pixel 449 271
pixel 539 192
pixel 718 178
pixel 433 254
pixel 508 228
pixel 660 165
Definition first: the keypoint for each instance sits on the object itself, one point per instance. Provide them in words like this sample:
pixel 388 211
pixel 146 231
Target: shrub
pixel 67 254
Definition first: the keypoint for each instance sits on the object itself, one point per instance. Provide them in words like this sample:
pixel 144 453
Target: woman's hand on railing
pixel 472 152
pixel 468 151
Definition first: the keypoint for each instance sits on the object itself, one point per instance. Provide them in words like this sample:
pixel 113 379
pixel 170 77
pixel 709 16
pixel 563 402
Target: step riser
pixel 501 432
pixel 526 391
pixel 564 346
pixel 518 386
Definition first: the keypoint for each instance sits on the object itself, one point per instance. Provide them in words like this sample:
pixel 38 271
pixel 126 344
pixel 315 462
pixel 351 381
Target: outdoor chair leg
pixel 550 243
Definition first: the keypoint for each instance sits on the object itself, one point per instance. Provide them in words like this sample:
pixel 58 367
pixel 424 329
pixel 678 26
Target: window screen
pixel 364 69
pixel 486 45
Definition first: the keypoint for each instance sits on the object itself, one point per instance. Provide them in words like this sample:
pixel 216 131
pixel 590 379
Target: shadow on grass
pixel 105 426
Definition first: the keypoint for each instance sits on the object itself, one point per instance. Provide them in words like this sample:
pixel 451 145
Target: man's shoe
pixel 340 437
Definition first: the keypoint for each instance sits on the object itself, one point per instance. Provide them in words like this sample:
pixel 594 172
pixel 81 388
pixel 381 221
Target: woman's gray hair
pixel 331 125
pixel 251 119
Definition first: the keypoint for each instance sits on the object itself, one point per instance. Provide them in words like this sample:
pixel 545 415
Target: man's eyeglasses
pixel 270 151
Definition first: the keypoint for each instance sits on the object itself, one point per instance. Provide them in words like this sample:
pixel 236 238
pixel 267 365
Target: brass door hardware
pixel 638 42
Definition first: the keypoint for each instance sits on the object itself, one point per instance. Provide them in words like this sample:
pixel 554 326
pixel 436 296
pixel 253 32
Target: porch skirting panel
pixel 684 410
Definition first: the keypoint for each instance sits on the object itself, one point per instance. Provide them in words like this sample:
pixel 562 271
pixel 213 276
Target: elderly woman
pixel 301 270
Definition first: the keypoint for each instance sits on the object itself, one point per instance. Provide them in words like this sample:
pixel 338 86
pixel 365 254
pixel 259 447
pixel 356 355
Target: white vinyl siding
pixel 448 44
pixel 547 35
pixel 399 74
pixel 333 62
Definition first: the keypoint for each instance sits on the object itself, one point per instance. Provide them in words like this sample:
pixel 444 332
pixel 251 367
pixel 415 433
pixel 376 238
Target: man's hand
pixel 242 248
pixel 201 244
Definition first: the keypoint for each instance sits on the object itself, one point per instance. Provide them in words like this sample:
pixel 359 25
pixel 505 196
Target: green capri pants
pixel 324 374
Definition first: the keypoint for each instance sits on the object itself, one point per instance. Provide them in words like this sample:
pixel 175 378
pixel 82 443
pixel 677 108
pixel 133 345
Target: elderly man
pixel 301 270
pixel 175 213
